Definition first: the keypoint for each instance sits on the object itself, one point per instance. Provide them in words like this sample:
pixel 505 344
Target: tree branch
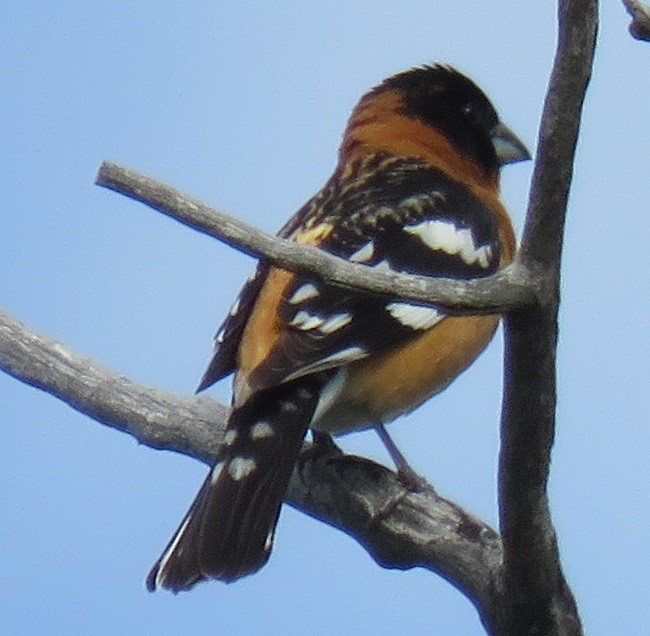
pixel 189 425
pixel 510 288
pixel 537 597
pixel 400 529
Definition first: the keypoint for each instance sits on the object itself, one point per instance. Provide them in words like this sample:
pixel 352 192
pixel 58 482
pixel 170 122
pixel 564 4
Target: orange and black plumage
pixel 416 189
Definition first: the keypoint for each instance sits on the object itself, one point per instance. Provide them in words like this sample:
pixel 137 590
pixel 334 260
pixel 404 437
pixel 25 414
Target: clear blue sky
pixel 244 108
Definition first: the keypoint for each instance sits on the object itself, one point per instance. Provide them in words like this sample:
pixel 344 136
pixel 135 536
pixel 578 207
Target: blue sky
pixel 243 105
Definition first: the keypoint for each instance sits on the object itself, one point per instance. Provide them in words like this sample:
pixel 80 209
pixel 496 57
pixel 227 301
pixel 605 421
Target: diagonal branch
pixel 400 529
pixel 189 425
pixel 506 290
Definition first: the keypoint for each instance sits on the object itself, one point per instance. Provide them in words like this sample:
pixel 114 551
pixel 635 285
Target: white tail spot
pixel 268 544
pixel 161 575
pixel 230 437
pixel 261 430
pixel 240 467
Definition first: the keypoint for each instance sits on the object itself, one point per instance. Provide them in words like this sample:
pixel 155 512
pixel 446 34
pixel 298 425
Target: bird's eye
pixel 470 111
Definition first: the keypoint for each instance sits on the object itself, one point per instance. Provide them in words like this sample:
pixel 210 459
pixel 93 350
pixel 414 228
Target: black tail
pixel 228 531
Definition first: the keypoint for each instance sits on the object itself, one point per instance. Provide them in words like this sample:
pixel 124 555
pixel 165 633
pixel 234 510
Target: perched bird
pixel 416 189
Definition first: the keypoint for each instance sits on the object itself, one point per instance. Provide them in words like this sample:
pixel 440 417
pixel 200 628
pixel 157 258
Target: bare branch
pixel 537 597
pixel 640 25
pixel 400 529
pixel 190 425
pixel 508 289
pixel 541 243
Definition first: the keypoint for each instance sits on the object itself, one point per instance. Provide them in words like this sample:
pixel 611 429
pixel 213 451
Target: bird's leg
pixel 407 475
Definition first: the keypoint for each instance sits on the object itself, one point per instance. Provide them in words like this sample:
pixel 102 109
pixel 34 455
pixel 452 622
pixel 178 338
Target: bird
pixel 415 190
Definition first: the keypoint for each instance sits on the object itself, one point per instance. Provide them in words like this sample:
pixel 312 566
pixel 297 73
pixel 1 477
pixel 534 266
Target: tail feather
pixel 177 568
pixel 228 531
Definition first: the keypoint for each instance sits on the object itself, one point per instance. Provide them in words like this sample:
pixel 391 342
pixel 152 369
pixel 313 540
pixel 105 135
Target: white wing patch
pixel 363 254
pixel 303 293
pixel 336 322
pixel 329 393
pixel 288 406
pixel 306 321
pixel 383 266
pixel 414 316
pixel 446 237
pixel 235 306
pixel 337 359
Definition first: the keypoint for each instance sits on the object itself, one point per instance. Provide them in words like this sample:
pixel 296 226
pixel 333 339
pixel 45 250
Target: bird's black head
pixel 450 102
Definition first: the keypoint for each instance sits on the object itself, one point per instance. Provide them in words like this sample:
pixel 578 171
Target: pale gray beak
pixel 507 145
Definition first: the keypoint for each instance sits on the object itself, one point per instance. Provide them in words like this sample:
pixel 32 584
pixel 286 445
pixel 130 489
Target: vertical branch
pixel 537 599
pixel 544 229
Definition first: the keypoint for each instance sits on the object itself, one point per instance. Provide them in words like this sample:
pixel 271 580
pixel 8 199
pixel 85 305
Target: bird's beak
pixel 507 145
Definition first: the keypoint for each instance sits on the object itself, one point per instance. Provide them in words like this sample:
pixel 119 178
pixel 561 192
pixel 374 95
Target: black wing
pixel 396 214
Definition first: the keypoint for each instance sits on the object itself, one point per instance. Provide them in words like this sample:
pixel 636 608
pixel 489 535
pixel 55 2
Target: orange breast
pixel 382 387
